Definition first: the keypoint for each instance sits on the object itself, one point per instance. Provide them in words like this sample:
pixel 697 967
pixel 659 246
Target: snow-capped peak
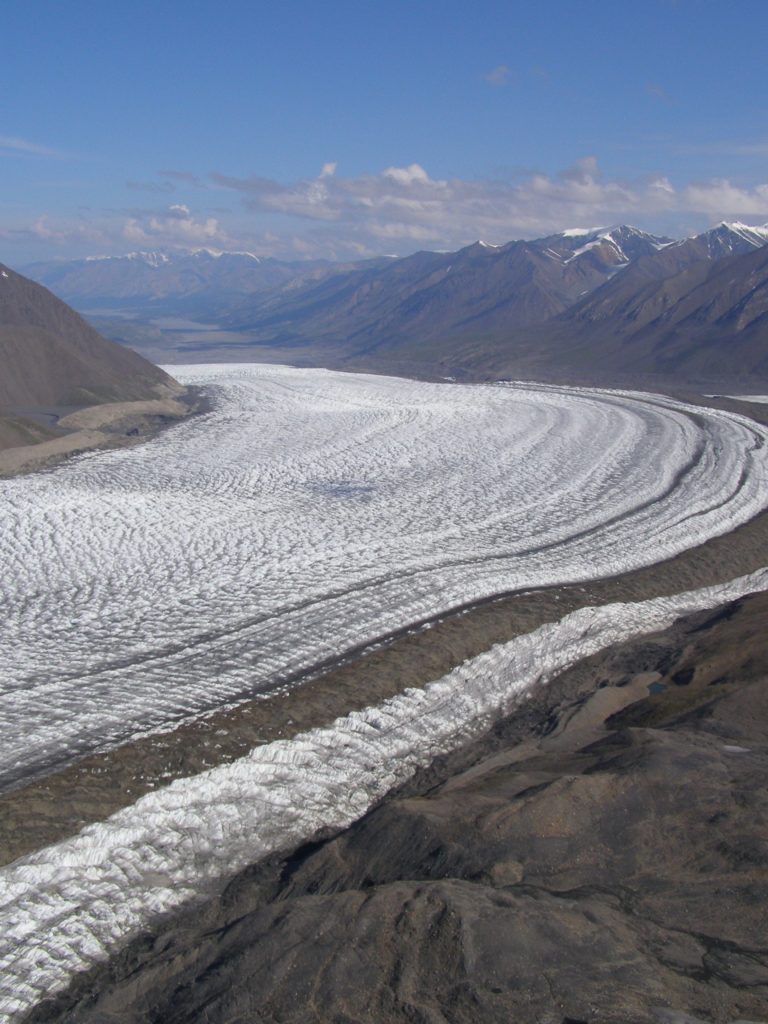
pixel 159 258
pixel 153 259
pixel 757 234
pixel 627 242
pixel 733 237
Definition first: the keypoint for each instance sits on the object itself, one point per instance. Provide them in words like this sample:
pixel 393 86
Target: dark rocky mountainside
pixel 731 294
pixel 708 322
pixel 668 260
pixel 51 360
pixel 691 313
pixel 431 294
pixel 600 857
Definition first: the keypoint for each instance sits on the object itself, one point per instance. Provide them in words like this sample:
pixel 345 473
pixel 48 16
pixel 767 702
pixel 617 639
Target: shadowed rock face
pixel 600 856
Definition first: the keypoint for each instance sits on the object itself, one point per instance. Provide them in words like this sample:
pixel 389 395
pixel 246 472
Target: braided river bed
pixel 307 514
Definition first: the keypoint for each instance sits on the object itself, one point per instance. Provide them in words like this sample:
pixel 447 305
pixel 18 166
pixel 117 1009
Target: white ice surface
pixel 69 906
pixel 312 512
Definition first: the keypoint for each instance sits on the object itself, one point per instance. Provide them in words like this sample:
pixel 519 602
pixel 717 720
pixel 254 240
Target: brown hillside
pixel 49 355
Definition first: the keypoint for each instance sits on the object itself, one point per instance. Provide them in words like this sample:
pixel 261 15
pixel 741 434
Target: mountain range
pixel 588 304
pixel 199 281
pixel 429 295
pixel 706 323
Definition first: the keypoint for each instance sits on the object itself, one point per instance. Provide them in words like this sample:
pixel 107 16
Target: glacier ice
pixel 311 512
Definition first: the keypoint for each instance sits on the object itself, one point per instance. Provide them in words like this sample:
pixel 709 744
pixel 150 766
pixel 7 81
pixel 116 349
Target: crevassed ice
pixel 314 511
pixel 67 907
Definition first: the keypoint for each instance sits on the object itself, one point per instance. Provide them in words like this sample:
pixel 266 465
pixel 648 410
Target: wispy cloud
pixel 658 92
pixel 175 226
pixel 44 229
pixel 185 177
pixel 750 149
pixel 12 144
pixel 151 186
pixel 720 148
pixel 170 227
pixel 713 196
pixel 497 76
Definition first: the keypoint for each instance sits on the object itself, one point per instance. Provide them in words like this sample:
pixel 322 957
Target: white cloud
pixel 43 230
pixel 407 175
pixel 715 196
pixel 406 203
pixel 175 226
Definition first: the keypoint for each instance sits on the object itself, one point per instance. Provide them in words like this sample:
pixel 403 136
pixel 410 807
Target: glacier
pixel 311 512
pixel 67 907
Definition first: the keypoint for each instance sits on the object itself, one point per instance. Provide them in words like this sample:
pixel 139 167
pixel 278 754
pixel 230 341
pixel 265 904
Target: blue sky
pixel 357 128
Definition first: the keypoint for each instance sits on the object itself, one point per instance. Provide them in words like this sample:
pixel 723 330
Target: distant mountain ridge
pixel 572 299
pixel 493 286
pixel 194 282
